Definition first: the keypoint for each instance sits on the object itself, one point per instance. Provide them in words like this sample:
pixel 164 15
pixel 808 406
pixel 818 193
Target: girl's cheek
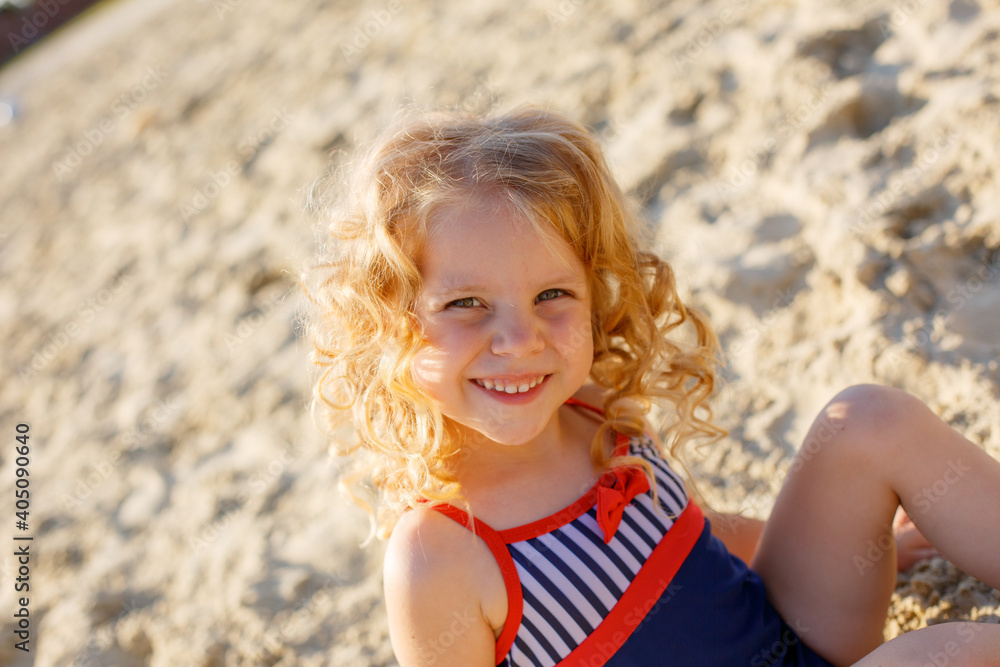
pixel 457 338
pixel 427 369
pixel 576 337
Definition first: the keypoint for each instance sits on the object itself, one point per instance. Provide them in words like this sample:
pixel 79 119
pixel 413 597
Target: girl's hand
pixel 911 545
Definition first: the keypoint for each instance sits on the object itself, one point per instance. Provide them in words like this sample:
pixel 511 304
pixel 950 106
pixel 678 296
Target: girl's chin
pixel 502 436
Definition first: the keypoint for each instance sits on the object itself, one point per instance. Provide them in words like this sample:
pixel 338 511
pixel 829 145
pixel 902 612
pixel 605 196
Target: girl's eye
pixel 467 302
pixel 550 294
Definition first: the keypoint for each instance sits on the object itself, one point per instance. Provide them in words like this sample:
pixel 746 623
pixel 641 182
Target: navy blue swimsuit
pixel 619 579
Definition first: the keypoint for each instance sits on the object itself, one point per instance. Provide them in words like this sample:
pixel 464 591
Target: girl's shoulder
pixel 425 546
pixel 433 563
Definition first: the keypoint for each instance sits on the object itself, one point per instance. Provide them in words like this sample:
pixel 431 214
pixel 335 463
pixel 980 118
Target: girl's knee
pixel 864 420
pixel 873 406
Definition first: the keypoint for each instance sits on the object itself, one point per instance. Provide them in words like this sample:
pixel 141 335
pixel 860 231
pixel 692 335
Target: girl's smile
pixel 513 392
pixel 511 385
pixel 506 323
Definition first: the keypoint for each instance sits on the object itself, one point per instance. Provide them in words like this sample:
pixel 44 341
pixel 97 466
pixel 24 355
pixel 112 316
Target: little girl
pixel 496 335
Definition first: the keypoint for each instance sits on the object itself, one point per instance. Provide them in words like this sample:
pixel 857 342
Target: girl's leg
pixel 827 554
pixel 944 645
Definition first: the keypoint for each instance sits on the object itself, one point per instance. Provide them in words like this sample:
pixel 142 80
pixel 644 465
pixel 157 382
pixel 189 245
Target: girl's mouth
pixel 502 386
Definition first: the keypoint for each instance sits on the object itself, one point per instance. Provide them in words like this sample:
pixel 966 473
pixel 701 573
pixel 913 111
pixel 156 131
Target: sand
pixel 822 175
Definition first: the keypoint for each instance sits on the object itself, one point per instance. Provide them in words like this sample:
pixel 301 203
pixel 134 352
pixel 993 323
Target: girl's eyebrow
pixel 457 287
pixel 456 290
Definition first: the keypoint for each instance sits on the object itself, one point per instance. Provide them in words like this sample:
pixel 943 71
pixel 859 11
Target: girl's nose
pixel 517 334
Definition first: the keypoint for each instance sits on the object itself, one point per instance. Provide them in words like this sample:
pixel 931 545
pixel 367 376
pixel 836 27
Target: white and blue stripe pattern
pixel 571 579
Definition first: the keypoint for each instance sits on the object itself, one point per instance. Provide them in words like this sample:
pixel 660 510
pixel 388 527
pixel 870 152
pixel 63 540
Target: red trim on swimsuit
pixel 644 592
pixel 645 589
pixel 648 585
pixel 515 603
pixel 567 514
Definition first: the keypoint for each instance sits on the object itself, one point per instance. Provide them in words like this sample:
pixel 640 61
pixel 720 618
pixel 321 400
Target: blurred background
pixel 25 22
pixel 821 174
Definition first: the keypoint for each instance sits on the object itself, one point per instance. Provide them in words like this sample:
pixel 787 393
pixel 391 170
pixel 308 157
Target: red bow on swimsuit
pixel 616 490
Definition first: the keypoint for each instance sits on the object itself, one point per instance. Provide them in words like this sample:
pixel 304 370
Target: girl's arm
pixel 434 579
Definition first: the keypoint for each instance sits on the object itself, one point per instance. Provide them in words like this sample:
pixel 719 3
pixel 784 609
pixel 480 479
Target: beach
pixel 822 176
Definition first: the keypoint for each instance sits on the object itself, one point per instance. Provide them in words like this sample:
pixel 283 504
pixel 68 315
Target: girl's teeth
pixel 511 389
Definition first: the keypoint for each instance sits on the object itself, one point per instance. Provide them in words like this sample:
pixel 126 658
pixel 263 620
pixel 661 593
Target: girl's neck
pixel 512 485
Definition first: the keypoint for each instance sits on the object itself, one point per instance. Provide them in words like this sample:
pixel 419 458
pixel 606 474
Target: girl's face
pixel 506 321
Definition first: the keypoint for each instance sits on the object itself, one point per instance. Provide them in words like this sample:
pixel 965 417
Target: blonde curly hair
pixel 550 172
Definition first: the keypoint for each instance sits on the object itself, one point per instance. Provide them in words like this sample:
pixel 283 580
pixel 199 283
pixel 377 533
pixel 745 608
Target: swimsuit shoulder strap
pixel 498 547
pixel 515 600
pixel 582 404
pixel 621 440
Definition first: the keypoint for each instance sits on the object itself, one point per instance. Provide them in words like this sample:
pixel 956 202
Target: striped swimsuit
pixel 620 580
